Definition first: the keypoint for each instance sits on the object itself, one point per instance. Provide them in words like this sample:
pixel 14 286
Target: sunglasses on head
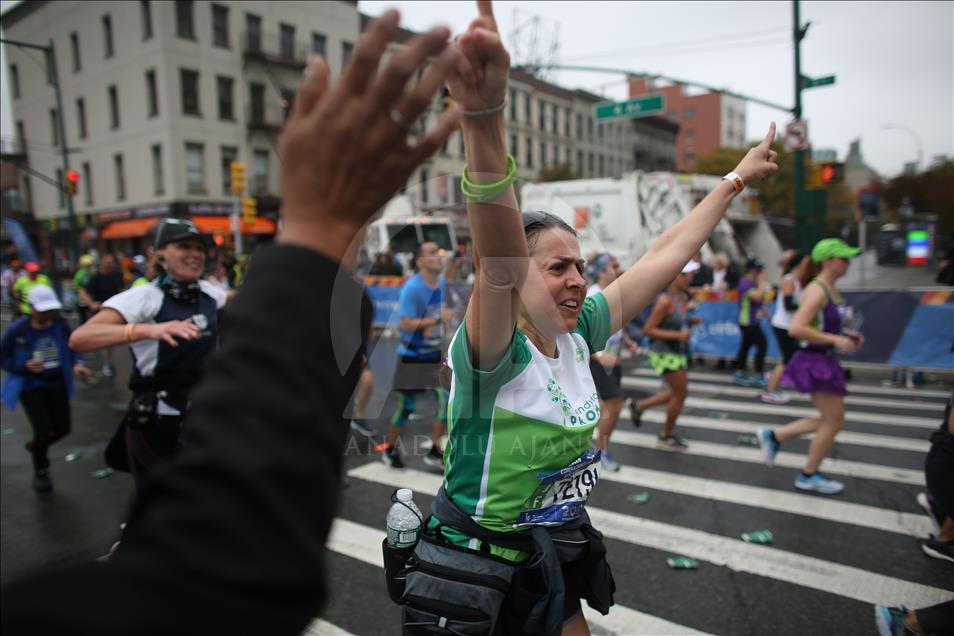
pixel 537 218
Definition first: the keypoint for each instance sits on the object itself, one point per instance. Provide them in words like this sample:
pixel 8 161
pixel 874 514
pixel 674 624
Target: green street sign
pixel 637 107
pixel 808 82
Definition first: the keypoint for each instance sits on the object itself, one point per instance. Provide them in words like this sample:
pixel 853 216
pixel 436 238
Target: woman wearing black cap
pixel 171 327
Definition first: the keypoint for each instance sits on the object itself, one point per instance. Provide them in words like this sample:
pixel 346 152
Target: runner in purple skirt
pixel 814 369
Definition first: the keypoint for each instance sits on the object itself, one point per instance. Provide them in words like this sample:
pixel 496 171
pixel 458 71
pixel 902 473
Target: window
pixel 543 154
pixel 346 48
pixel 226 107
pixel 113 108
pixel 260 171
pixel 157 176
pixel 195 168
pixel 81 117
pixel 591 164
pixel 461 150
pixel 542 113
pixel 579 162
pixel 566 125
pixel 75 49
pixel 145 15
pixel 691 136
pixel 184 25
pixel 54 129
pixel 688 113
pixel 526 109
pixel 61 190
pixel 529 151
pixel 21 136
pixel 319 43
pixel 220 26
pixel 513 105
pixel 49 58
pixel 15 81
pixel 257 103
pixel 513 146
pixel 228 155
pixel 602 166
pixel 253 32
pixel 190 91
pixel 689 158
pixel 88 182
pixel 554 125
pixel 424 177
pixel 287 41
pixel 589 128
pixel 107 36
pixel 152 96
pixel 120 177
pixel 579 126
pixel 288 100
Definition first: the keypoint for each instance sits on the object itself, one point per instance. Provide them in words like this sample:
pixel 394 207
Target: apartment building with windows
pixel 159 98
pixel 707 122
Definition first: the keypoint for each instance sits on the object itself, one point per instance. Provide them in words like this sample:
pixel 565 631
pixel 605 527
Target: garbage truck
pixel 626 215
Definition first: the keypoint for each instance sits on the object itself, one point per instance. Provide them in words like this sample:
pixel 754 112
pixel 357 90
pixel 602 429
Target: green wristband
pixel 481 193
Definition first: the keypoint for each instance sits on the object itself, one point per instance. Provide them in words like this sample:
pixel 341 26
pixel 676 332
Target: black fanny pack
pixel 143 412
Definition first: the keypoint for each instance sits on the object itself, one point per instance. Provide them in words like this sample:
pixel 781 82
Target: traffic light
pixel 833 172
pixel 238 177
pixel 72 180
pixel 249 211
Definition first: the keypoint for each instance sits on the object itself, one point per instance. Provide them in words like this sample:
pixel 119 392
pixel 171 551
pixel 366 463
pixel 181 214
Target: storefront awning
pixel 131 228
pixel 223 225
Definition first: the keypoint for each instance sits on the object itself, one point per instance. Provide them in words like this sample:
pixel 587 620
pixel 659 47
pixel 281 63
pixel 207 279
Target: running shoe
pixel 434 458
pixel 392 457
pixel 740 377
pixel 362 428
pixel 767 444
pixel 671 442
pixel 924 500
pixel 608 463
pixel 943 550
pixel 819 483
pixel 42 481
pixel 758 381
pixel 890 621
pixel 774 397
pixel 635 413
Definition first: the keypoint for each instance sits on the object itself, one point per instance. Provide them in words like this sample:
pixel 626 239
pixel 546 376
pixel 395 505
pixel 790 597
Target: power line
pixel 675 45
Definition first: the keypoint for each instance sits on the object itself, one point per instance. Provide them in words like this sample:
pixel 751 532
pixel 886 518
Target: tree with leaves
pixel 776 193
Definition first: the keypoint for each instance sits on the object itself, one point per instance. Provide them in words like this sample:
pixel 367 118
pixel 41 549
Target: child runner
pixel 814 369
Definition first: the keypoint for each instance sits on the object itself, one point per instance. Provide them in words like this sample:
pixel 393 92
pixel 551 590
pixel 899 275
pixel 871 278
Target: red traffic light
pixel 833 173
pixel 72 176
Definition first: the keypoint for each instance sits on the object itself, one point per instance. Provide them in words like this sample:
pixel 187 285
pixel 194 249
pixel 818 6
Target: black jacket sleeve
pixel 229 537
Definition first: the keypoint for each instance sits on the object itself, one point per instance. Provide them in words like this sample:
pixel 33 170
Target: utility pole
pixel 801 229
pixel 61 128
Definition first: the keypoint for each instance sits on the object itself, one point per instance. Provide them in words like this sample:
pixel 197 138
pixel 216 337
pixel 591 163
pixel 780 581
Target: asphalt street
pixel 832 557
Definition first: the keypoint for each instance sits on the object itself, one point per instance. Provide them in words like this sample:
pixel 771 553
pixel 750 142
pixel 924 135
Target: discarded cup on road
pixel 72 457
pixel 682 563
pixel 747 440
pixel 639 497
pixel 758 536
pixel 102 473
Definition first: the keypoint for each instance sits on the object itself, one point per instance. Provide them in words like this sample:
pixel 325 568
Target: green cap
pixel 833 248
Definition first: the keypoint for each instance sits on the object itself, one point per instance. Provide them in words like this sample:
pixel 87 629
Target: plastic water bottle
pixel 404 520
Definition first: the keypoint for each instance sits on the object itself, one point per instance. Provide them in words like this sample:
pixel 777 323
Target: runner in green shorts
pixel 668 327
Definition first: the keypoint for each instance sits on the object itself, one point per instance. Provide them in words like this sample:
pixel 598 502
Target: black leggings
pixel 752 335
pixel 48 410
pixel 937 619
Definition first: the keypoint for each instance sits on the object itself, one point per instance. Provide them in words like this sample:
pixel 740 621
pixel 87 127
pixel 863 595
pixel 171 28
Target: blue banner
pixel 22 242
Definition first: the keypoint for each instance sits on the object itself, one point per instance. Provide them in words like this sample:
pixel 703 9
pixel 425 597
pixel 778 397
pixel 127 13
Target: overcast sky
pixel 894 61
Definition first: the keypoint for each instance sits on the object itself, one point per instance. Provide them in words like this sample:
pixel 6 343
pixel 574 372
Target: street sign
pixel 636 107
pixel 808 82
pixel 796 135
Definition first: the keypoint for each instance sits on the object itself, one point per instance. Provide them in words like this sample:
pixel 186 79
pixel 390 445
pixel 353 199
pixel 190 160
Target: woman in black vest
pixel 171 327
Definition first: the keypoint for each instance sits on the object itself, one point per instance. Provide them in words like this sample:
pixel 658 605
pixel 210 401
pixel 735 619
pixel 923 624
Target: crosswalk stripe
pixel 742 426
pixel 362 543
pixel 739 391
pixel 734 554
pixel 788 460
pixel 852 387
pixel 905 523
pixel 319 627
pixel 858 417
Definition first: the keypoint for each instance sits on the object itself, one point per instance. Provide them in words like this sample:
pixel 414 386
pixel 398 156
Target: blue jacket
pixel 15 352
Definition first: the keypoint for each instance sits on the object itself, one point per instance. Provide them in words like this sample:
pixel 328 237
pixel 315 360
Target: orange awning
pixel 223 225
pixel 127 229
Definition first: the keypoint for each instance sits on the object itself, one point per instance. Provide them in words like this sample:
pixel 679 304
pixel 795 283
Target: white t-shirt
pixel 782 318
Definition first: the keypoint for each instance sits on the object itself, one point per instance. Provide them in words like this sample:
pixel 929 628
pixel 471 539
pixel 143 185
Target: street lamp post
pixel 914 136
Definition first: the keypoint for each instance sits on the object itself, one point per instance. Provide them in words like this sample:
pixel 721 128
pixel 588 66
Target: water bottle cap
pixel 405 494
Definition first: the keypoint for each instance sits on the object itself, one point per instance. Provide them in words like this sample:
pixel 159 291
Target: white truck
pixel 625 215
pixel 402 229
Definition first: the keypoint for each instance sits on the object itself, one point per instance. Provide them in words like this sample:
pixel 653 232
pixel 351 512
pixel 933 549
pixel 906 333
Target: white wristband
pixel 735 180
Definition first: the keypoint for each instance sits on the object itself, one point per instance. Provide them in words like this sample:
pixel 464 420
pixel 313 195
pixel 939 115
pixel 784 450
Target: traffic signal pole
pixel 61 128
pixel 803 230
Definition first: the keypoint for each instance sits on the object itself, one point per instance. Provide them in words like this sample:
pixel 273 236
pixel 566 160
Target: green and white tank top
pixel 530 416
